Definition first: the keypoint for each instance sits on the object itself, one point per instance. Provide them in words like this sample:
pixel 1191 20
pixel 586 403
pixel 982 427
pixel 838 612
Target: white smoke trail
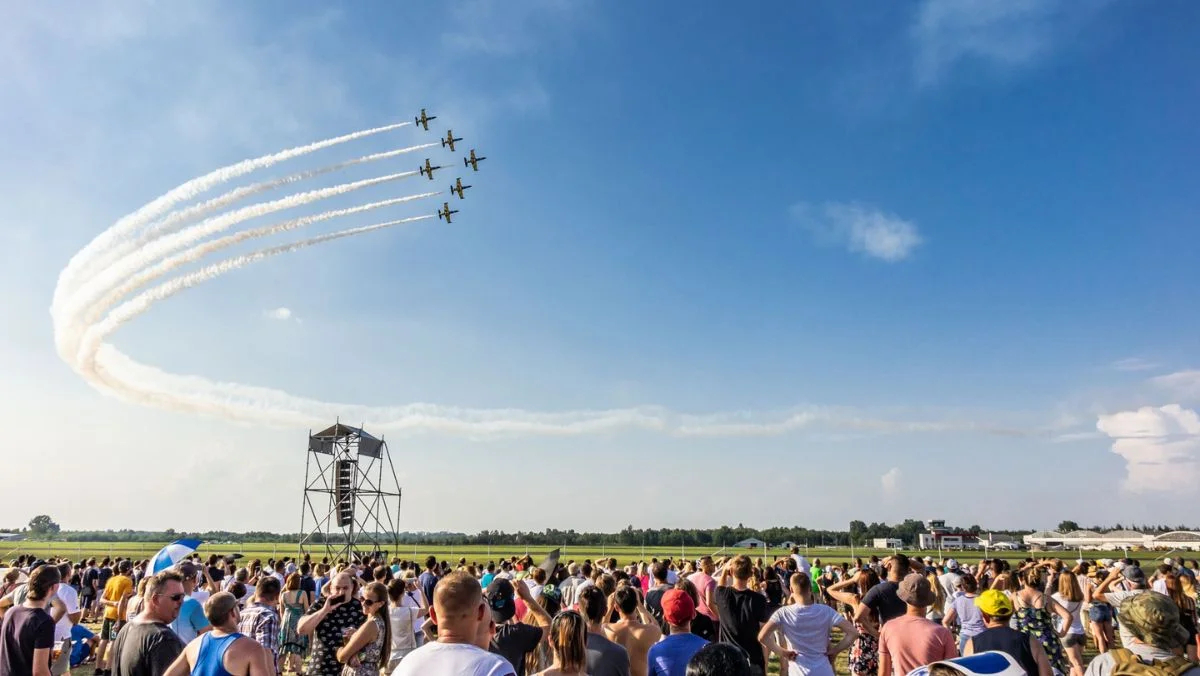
pixel 113 275
pixel 96 333
pixel 189 190
pixel 95 310
pixel 144 246
pixel 181 216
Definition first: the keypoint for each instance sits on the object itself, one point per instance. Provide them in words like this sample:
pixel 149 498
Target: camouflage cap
pixel 1154 620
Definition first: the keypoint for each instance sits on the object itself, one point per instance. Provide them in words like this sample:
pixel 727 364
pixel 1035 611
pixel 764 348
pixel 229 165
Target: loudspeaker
pixel 343 491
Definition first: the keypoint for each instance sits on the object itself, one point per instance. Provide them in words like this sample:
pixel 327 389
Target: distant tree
pixel 1067 526
pixel 43 525
pixel 975 530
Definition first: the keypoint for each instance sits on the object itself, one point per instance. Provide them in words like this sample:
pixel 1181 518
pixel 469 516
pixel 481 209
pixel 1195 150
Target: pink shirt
pixel 703 583
pixel 915 642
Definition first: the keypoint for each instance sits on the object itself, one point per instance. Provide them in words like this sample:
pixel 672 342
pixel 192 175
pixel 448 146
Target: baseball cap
pixel 952 564
pixel 915 590
pixel 995 603
pixel 1154 619
pixel 503 606
pixel 678 607
pixel 1134 574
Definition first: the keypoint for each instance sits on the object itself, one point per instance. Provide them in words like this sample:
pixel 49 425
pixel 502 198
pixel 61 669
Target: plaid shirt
pixel 261 623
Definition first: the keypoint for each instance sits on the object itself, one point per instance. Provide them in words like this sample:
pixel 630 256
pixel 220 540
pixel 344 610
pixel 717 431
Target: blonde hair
pixel 1068 587
pixel 568 640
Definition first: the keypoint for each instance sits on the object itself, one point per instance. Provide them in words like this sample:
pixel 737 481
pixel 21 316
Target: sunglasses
pixel 174 597
pixel 372 602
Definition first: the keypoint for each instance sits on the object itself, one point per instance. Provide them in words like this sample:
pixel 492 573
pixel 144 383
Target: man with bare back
pixel 636 630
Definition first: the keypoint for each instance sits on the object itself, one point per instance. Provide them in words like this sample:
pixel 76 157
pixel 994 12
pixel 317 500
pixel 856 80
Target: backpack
pixel 1127 664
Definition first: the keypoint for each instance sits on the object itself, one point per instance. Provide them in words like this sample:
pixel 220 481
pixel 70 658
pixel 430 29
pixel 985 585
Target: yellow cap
pixel 994 602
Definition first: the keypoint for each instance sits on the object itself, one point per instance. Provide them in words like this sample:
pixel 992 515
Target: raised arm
pixel 534 607
pixel 363 636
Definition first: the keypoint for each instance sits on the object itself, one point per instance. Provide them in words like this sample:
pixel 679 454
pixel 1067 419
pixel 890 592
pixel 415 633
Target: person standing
pixel 911 641
pixel 670 656
pixel 68 597
pixel 882 600
pixel 463 631
pixel 807 625
pixel 191 621
pixel 293 603
pixel 328 622
pixel 260 620
pixel 366 651
pixel 604 657
pixel 964 611
pixel 429 579
pixel 27 633
pixel 742 610
pixel 223 651
pixel 1153 622
pixel 997 611
pixel 118 589
pixel 147 646
pixel 636 630
pixel 405 622
pixel 706 586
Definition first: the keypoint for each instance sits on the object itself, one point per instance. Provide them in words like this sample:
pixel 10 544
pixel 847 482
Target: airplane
pixel 449 140
pixel 473 161
pixel 423 121
pixel 458 187
pixel 446 211
pixel 428 170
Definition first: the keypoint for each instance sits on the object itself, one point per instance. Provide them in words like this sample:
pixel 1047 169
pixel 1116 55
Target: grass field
pixel 484 553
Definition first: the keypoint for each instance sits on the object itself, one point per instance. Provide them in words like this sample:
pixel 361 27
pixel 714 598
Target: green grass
pixel 483 553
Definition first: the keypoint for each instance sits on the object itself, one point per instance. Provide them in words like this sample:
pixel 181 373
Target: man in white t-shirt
pixel 464 629
pixel 802 563
pixel 62 629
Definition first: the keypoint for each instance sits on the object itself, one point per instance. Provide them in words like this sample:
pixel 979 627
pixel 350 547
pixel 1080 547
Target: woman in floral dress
pixel 864 652
pixel 293 603
pixel 1033 617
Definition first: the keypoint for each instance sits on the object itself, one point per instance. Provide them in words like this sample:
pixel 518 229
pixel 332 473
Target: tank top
pixel 1007 640
pixel 210 661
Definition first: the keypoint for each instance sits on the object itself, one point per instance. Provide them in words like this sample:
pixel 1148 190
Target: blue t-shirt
pixel 669 657
pixel 486 580
pixel 191 620
pixel 428 581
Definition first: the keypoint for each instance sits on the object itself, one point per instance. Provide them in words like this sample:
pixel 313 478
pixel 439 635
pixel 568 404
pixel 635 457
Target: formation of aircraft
pixel 424 119
pixel 428 169
pixel 449 140
pixel 473 161
pixel 458 188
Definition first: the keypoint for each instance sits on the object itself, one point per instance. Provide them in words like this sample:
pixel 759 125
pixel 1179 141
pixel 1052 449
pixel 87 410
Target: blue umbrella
pixel 172 554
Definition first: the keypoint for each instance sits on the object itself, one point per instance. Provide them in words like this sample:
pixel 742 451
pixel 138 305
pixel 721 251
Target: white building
pixel 887 543
pixel 1112 541
pixel 941 537
pixel 750 543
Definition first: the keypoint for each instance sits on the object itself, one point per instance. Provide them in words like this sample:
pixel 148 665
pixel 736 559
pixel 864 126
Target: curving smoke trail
pixel 111 276
pixel 189 190
pixel 152 243
pixel 179 217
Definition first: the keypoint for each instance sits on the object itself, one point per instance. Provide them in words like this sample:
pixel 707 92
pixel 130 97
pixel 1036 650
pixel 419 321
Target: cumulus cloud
pixel 281 314
pixel 860 229
pixel 1134 364
pixel 1160 445
pixel 890 482
pixel 1001 33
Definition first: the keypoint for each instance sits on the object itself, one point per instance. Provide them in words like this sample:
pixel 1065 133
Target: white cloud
pixel 1184 384
pixel 1003 33
pixel 1134 364
pixel 280 313
pixel 890 483
pixel 1160 445
pixel 860 228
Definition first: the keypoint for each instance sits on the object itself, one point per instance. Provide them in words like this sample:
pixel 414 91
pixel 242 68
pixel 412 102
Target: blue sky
pixel 955 234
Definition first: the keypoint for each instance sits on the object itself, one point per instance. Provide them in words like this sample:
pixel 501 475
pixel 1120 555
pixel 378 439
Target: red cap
pixel 678 607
